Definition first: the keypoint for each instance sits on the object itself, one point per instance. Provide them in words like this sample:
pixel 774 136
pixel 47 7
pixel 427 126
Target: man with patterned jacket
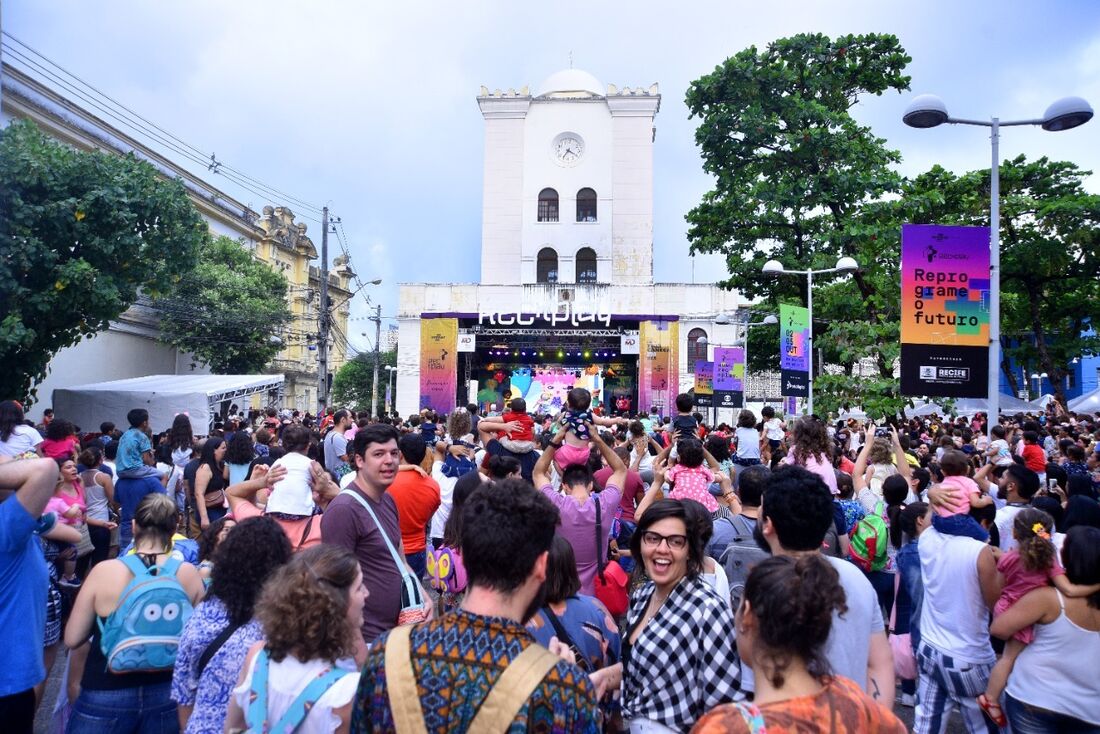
pixel 478 668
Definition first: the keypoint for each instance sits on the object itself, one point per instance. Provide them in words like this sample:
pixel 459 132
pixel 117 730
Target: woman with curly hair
pixel 785 618
pixel 181 439
pixel 812 450
pixel 220 632
pixel 304 677
pixel 208 542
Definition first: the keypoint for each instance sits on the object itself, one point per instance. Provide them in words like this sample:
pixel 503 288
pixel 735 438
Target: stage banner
pixel 944 311
pixel 729 377
pixel 794 352
pixel 438 364
pixel 658 366
pixel 704 384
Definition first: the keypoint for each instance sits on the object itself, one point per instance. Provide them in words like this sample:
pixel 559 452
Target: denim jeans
pixel 139 710
pixel 1028 719
pixel 418 562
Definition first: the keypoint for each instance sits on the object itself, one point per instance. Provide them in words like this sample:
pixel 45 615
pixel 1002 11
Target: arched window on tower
pixel 547 271
pixel 586 205
pixel 548 205
pixel 586 265
pixel 697 348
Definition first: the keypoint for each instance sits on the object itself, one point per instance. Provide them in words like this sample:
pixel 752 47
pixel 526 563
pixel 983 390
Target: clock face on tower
pixel 567 149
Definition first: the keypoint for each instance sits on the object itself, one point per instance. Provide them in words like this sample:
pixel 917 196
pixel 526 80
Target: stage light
pixel 559 354
pixel 586 355
pixel 515 354
pixel 540 354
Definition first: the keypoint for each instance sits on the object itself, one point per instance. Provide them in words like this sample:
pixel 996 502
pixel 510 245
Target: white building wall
pixel 591 121
pixel 632 254
pixel 502 188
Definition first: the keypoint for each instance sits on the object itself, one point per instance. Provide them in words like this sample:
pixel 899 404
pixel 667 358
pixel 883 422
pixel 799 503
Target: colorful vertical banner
pixel 438 364
pixel 729 377
pixel 704 384
pixel 944 311
pixel 658 365
pixel 794 351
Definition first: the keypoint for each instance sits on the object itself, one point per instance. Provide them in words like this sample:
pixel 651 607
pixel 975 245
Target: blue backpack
pixel 143 633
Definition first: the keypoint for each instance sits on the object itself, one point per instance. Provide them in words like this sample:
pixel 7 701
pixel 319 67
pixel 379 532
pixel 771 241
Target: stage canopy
pixel 970 406
pixel 1087 403
pixel 201 397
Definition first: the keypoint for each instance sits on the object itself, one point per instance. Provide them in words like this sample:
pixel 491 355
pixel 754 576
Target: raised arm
pixel 901 459
pixel 656 488
pixel 33 482
pixel 541 473
pixel 859 480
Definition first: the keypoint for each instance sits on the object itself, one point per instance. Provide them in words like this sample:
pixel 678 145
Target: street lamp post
pixel 928 110
pixel 392 371
pixel 843 265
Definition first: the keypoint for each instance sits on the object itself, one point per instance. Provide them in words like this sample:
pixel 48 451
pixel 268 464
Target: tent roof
pixel 212 385
pixel 1087 403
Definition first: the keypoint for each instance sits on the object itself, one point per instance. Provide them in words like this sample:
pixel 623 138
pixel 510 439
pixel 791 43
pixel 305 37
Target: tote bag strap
pixel 411 585
pixel 408 717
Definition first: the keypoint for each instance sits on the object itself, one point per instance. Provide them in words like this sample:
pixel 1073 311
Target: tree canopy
pixel 227 311
pixel 796 179
pixel 82 234
pixel 352 383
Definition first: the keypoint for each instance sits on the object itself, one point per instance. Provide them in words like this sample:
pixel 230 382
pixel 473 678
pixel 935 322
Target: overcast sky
pixel 370 107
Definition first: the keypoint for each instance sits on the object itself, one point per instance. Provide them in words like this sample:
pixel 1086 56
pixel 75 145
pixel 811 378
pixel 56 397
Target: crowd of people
pixel 588 571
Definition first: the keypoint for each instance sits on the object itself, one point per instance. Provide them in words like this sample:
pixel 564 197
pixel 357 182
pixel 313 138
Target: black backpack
pixel 739 557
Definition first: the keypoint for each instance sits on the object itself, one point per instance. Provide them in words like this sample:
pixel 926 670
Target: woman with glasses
pixel 678 652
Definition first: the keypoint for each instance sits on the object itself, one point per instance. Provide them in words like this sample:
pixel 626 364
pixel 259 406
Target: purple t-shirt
pixel 578 526
pixel 347 523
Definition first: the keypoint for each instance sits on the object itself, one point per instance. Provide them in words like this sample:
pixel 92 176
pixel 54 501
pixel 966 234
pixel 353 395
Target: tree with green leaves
pixel 82 233
pixel 793 173
pixel 352 384
pixel 228 311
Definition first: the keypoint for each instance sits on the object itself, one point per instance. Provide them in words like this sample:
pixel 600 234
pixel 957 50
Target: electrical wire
pixel 151 130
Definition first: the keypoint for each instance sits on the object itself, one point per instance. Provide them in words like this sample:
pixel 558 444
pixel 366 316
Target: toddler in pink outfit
pixel 954 518
pixel 689 478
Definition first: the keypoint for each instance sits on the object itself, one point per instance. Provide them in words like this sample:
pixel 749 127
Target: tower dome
pixel 570 83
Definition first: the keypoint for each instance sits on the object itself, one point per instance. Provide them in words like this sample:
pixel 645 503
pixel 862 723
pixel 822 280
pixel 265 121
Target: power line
pixel 135 121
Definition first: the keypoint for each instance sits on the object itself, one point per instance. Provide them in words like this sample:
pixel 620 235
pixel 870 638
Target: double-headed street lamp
pixel 928 110
pixel 843 265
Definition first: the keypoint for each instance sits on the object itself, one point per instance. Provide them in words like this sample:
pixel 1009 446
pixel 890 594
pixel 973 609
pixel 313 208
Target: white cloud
pixel 371 105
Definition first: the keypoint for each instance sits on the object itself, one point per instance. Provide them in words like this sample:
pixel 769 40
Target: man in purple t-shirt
pixel 348 524
pixel 577 503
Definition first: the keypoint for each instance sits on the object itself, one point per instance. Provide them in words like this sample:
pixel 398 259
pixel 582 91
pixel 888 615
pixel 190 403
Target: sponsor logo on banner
pixel 467 342
pixel 944 311
pixel 628 343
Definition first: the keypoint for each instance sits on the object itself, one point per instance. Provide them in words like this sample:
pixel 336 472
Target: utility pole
pixel 377 319
pixel 322 337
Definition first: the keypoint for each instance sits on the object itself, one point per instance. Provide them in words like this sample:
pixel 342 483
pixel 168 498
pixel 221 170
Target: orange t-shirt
pixel 301 533
pixel 840 706
pixel 417 498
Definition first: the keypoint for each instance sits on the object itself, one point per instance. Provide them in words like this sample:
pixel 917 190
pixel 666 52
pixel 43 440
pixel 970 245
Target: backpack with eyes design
pixel 143 633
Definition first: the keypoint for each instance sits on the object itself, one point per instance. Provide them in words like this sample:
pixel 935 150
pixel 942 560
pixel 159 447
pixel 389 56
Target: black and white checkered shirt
pixel 685 660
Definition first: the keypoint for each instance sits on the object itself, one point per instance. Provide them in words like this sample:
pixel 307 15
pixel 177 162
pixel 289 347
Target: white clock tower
pixel 568 183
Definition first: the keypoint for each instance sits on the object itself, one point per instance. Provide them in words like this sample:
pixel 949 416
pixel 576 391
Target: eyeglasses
pixel 675 542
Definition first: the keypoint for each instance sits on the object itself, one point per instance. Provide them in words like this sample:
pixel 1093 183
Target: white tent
pixel 201 397
pixel 1041 402
pixel 1087 403
pixel 924 410
pixel 970 406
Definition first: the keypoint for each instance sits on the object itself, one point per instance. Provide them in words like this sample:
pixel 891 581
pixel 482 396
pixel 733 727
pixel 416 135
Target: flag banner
pixel 658 365
pixel 438 364
pixel 729 377
pixel 704 384
pixel 944 311
pixel 794 351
